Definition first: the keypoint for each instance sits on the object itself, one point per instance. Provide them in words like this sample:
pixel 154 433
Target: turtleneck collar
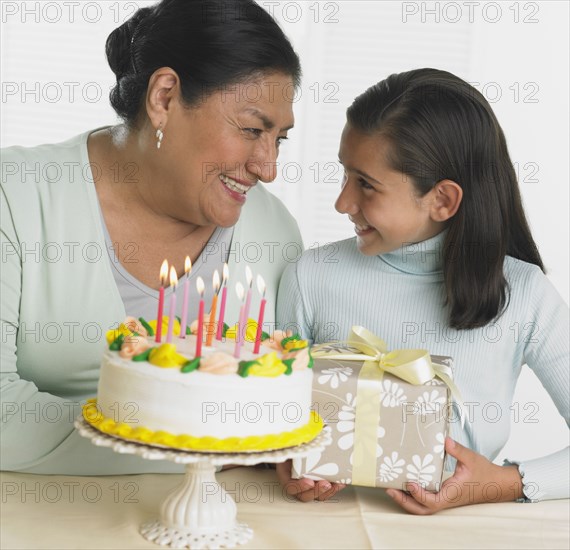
pixel 423 258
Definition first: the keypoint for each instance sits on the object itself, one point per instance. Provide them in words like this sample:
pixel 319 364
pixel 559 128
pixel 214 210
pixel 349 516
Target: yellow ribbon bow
pixel 411 365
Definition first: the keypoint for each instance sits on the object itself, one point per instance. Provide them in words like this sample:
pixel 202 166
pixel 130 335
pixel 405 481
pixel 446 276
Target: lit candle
pixel 240 293
pixel 184 318
pixel 172 311
pixel 225 277
pixel 249 279
pixel 261 290
pixel 212 322
pixel 200 287
pixel 163 279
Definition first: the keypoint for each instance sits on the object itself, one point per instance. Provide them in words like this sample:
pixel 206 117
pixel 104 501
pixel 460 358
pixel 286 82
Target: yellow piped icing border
pixel 254 443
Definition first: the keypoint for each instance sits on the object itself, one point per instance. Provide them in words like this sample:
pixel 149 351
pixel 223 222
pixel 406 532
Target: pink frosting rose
pixel 301 357
pixel 133 345
pixel 194 326
pixel 219 363
pixel 134 325
pixel 275 341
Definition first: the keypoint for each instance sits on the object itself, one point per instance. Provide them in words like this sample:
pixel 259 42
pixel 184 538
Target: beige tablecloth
pixel 39 511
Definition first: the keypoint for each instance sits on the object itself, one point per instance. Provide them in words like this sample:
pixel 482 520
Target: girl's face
pixel 382 203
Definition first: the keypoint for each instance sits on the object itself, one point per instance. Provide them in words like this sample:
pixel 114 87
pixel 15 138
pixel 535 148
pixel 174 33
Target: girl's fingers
pixel 425 498
pixel 408 503
pixel 459 452
pixel 292 486
pixel 306 496
pixel 295 487
pixel 335 488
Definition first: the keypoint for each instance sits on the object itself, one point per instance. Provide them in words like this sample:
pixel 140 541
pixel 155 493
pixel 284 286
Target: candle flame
pixel 173 276
pixel 216 281
pixel 200 286
pixel 261 285
pixel 248 276
pixel 187 265
pixel 164 272
pixel 225 273
pixel 240 291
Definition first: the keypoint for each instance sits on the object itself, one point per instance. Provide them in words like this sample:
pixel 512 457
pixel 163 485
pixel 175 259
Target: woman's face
pixel 214 154
pixel 382 203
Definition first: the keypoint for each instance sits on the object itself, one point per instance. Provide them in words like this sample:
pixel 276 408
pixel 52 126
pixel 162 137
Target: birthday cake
pixel 223 401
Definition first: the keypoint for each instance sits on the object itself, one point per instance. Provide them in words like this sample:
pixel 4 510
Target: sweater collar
pixel 421 258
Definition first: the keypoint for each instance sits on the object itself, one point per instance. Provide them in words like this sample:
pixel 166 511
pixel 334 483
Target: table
pixel 42 511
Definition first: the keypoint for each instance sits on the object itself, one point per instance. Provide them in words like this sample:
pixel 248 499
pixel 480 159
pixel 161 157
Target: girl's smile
pixel 382 203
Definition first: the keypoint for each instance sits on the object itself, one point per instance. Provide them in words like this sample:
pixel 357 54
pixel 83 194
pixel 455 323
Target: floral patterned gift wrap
pixel 389 413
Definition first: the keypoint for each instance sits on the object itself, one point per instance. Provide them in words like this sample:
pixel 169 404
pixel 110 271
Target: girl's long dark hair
pixel 437 127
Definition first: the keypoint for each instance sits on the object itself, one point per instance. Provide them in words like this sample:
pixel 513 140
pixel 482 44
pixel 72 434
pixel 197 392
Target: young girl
pixel 443 260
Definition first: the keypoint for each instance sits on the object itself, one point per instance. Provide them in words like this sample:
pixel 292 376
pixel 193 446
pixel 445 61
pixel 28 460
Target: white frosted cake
pixel 161 394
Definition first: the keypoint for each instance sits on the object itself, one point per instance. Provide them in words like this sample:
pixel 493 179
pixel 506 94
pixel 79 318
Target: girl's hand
pixel 305 489
pixel 476 480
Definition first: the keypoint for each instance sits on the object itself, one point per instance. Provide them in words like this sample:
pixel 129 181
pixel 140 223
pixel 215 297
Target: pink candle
pixel 163 278
pixel 240 292
pixel 184 318
pixel 261 289
pixel 172 311
pixel 249 278
pixel 225 276
pixel 200 335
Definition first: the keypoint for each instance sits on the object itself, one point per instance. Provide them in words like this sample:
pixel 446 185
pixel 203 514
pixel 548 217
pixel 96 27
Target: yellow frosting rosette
pixel 127 328
pixel 165 356
pixel 175 328
pixel 113 334
pixel 250 332
pixel 269 365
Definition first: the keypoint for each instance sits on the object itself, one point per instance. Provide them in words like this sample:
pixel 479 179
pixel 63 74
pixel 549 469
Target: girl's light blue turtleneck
pixel 400 297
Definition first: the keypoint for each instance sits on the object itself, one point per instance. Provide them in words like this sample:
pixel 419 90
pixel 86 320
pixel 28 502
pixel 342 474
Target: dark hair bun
pixel 120 55
pixel 209 43
pixel 119 44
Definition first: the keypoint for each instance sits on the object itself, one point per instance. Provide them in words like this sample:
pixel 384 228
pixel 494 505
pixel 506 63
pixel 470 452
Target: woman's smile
pixel 236 190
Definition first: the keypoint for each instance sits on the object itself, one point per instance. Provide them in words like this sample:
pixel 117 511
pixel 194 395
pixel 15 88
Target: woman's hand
pixel 305 489
pixel 476 480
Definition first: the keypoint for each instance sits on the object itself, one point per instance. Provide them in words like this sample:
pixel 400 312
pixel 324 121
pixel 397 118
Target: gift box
pixel 389 414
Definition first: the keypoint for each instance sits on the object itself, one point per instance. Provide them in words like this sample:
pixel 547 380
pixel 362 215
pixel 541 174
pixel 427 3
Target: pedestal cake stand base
pixel 198 513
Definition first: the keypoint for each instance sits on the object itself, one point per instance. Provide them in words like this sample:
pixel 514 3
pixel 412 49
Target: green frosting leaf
pixel 289 364
pixel 191 365
pixel 244 367
pixel 148 328
pixel 225 329
pixel 311 362
pixel 142 356
pixel 289 339
pixel 264 336
pixel 117 343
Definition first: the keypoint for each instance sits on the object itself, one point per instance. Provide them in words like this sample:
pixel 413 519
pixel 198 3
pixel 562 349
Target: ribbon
pixel 411 365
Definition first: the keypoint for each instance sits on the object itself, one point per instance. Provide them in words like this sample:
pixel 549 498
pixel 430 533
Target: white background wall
pixel 55 84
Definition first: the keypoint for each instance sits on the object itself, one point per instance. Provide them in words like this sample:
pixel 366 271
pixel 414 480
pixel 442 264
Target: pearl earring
pixel 159 135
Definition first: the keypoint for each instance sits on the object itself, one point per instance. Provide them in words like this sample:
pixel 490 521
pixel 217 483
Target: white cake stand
pixel 199 513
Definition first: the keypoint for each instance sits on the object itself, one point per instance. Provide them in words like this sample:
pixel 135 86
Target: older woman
pixel 205 90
